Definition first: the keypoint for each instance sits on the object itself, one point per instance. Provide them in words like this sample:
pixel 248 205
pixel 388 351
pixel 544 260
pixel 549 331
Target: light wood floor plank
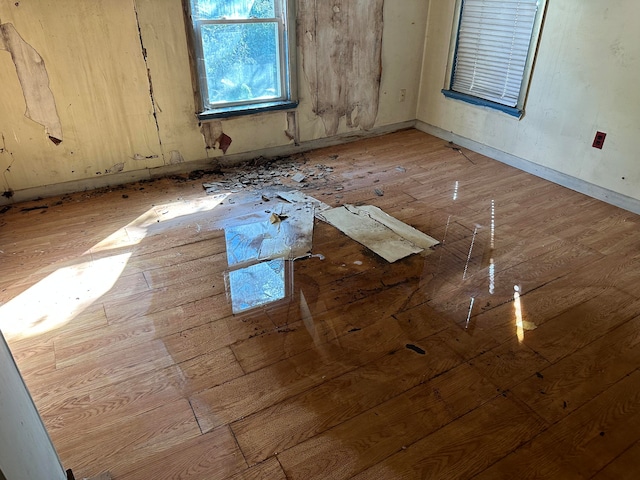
pixel 374 435
pixel 583 443
pixel 464 447
pixel 291 422
pixel 569 383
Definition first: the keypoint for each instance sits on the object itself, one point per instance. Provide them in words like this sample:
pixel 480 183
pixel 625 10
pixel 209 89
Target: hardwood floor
pixel 511 351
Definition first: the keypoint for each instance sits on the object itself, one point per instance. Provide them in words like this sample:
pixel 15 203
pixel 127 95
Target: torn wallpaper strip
pixel 34 80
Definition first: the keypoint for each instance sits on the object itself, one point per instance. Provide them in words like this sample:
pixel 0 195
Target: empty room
pixel 303 239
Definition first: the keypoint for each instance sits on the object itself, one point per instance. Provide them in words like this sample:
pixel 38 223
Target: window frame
pixel 518 109
pixel 285 17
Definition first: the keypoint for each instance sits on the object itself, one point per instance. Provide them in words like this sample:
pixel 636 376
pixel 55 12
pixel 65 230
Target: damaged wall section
pixel 214 136
pixel 103 92
pixel 34 80
pixel 341 45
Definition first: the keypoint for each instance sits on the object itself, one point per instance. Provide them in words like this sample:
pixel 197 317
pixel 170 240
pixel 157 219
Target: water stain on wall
pixel 341 45
pixel 34 80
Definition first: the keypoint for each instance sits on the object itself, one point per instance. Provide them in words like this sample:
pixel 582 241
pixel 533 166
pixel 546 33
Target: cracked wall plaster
pixel 34 80
pixel 341 45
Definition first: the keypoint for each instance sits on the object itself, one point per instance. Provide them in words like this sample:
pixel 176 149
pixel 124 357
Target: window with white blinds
pixel 493 49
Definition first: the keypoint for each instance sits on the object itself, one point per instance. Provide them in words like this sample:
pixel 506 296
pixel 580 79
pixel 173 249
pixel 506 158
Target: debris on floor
pixel 385 235
pixel 414 236
pixel 296 196
pixel 263 242
pixel 268 173
pixel 298 177
pixel 277 218
pixel 286 233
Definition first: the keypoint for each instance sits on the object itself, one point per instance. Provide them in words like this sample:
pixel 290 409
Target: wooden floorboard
pixel 512 350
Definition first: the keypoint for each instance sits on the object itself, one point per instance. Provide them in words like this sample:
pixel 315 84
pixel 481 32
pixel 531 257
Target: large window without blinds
pixel 492 52
pixel 243 55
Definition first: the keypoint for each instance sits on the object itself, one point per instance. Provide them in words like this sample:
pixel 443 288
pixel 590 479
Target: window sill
pixel 513 111
pixel 239 110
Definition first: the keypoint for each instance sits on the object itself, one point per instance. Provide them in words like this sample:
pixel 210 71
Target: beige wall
pixel 98 76
pixel 586 79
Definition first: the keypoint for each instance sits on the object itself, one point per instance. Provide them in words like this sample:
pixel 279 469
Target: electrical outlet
pixel 598 141
pixel 403 95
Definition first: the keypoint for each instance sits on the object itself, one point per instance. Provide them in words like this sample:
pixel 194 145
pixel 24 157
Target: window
pixel 492 52
pixel 243 55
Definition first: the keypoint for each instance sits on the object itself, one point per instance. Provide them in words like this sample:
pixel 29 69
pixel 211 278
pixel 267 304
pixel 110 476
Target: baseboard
pixel 609 196
pixel 227 160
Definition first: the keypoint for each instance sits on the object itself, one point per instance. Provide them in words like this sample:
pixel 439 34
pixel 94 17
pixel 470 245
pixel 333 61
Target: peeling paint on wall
pixel 292 131
pixel 118 167
pixel 214 136
pixel 137 156
pixel 341 45
pixel 34 80
pixel 224 142
pixel 176 157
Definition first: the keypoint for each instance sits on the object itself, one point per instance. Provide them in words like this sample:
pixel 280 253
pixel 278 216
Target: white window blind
pixel 494 39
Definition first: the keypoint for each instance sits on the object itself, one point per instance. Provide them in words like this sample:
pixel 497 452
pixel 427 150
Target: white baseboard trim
pixel 609 196
pixel 204 164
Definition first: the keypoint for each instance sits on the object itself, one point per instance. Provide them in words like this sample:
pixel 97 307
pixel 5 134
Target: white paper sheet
pixel 388 237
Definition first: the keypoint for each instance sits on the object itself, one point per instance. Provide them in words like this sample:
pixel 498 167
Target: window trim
pixel 285 11
pixel 518 110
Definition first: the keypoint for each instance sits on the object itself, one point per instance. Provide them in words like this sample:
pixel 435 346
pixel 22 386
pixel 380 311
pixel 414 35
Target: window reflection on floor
pixel 257 285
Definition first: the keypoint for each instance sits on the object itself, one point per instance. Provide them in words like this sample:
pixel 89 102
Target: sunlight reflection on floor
pixel 69 290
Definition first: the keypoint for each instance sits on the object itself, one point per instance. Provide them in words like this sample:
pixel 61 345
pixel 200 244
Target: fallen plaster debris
pixel 34 80
pixel 269 173
pixel 296 196
pixel 277 218
pixel 298 177
pixel 387 236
